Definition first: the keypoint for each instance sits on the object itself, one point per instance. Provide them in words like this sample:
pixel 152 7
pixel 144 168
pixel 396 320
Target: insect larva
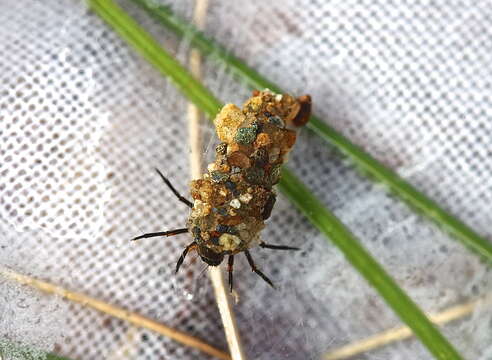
pixel 234 198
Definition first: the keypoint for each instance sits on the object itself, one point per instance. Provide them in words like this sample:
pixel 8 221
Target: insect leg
pixel 253 268
pixel 162 233
pixel 278 247
pixel 230 266
pixel 191 246
pixel 175 192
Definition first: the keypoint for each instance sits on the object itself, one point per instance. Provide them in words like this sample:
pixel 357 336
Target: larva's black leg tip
pixel 258 272
pixel 175 192
pixel 183 255
pixel 230 267
pixel 264 277
pixel 179 263
pixel 278 247
pixel 162 233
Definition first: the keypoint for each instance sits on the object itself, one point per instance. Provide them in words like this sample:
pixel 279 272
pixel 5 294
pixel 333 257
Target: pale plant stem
pixel 194 119
pixel 117 312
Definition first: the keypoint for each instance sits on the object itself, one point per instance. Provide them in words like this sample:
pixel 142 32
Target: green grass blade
pixel 206 46
pixel 359 157
pixel 12 350
pixel 150 49
pixel 326 222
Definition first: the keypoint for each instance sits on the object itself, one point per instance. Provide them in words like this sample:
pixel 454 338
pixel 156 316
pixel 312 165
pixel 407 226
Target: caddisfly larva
pixel 234 198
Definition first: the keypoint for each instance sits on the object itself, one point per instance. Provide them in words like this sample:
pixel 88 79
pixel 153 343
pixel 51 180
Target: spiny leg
pixel 162 233
pixel 278 247
pixel 253 267
pixel 175 192
pixel 230 266
pixel 191 246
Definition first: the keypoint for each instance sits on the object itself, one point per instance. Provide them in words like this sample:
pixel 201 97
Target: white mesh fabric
pixel 84 120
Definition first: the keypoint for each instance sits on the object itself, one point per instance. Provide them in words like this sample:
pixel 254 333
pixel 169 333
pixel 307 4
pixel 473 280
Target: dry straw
pixel 216 276
pixel 117 312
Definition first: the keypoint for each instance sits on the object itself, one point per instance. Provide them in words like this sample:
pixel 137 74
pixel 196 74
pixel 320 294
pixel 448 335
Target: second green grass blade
pixel 300 196
pixel 361 158
pixel 13 350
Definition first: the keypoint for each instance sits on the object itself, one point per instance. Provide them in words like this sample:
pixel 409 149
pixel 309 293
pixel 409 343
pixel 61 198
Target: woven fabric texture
pixel 84 120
